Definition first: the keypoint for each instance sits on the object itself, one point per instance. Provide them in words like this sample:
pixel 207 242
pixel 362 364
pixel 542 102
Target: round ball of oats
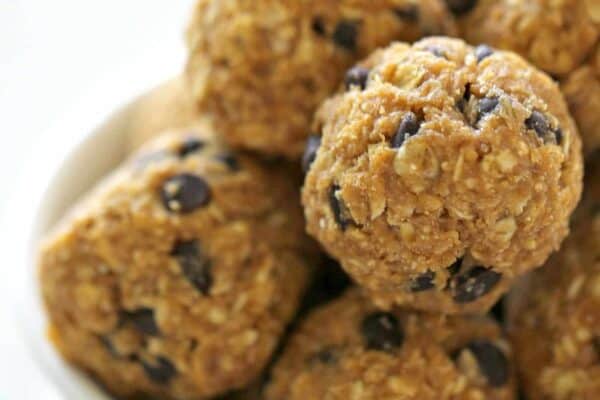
pixel 349 349
pixel 555 35
pixel 176 276
pixel 554 314
pixel 443 172
pixel 582 91
pixel 262 67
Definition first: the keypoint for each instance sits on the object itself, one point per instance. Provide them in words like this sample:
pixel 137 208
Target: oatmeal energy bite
pixel 559 36
pixel 349 349
pixel 582 91
pixel 176 277
pixel 262 67
pixel 554 315
pixel 443 172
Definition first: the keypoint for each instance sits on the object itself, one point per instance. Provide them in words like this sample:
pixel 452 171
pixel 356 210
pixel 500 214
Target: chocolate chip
pixel 459 7
pixel 229 160
pixel 185 193
pixel 491 360
pixel 462 102
pixel 436 51
pixel 539 123
pixel 318 26
pixel 486 106
pixel 382 331
pixel 409 126
pixel 356 76
pixel 497 311
pixel 455 267
pixel 161 372
pixel 483 51
pixel 189 146
pixel 337 207
pixel 143 320
pixel 310 151
pixel 410 13
pixel 474 284
pixel 558 133
pixel 194 265
pixel 325 356
pixel 423 282
pixel 346 34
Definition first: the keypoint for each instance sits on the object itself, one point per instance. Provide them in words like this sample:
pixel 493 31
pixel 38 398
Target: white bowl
pixel 62 169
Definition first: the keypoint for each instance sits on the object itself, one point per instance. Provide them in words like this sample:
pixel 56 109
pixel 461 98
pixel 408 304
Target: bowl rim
pixel 26 218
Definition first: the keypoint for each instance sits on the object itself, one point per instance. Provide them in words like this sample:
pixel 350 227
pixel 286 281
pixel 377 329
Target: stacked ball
pixel 437 175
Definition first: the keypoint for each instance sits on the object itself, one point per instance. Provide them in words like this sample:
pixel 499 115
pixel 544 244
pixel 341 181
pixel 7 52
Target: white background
pixel 55 56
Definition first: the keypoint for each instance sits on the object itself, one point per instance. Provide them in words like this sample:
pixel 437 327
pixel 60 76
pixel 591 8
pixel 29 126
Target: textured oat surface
pixel 166 107
pixel 555 35
pixel 262 67
pixel 554 314
pixel 177 275
pixel 582 91
pixel 452 172
pixel 558 36
pixel 350 350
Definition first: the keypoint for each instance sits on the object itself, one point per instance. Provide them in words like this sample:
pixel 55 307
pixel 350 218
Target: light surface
pixel 64 66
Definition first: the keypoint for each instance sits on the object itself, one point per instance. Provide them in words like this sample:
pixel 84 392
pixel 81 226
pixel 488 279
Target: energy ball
pixel 554 315
pixel 582 91
pixel 178 274
pixel 443 174
pixel 349 349
pixel 166 107
pixel 262 67
pixel 555 35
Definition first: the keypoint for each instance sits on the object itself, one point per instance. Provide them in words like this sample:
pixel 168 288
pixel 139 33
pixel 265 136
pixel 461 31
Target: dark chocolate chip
pixel 310 151
pixel 409 126
pixel 423 282
pixel 462 102
pixel 482 52
pixel 460 7
pixel 184 193
pixel 409 13
pixel 436 51
pixel 318 26
pixel 346 34
pixel 229 160
pixel 325 356
pixel 558 133
pixel 486 106
pixel 491 360
pixel 194 265
pixel 189 146
pixel 497 311
pixel 161 372
pixel 337 207
pixel 356 76
pixel 474 284
pixel 539 123
pixel 455 267
pixel 143 320
pixel 382 331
